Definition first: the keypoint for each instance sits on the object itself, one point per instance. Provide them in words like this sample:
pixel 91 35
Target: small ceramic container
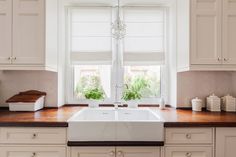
pixel 213 103
pixel 196 104
pixel 228 103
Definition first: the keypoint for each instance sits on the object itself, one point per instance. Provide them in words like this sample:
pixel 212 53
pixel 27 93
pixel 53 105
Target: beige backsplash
pixel 201 84
pixel 12 82
pixel 189 85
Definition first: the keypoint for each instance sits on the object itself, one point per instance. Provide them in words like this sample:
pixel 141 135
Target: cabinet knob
pixel 112 153
pixel 33 154
pixel 225 59
pixel 34 136
pixel 188 136
pixel 9 58
pixel 14 58
pixel 219 59
pixel 188 154
pixel 119 153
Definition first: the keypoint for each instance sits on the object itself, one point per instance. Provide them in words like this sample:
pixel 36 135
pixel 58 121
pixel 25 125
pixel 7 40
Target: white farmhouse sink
pixel 109 124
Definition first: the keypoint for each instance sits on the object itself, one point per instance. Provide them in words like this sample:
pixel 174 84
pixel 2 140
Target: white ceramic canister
pixel 213 103
pixel 196 104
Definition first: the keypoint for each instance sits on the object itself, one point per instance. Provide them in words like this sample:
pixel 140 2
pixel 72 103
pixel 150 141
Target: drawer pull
pixel 112 153
pixel 188 154
pixel 33 154
pixel 188 136
pixel 119 153
pixel 34 136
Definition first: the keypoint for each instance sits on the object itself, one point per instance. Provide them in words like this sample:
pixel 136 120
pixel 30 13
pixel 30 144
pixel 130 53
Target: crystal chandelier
pixel 118 27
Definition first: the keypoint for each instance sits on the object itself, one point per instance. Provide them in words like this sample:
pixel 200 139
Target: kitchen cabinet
pixel 32 151
pixel 225 142
pixel 33 135
pixel 33 142
pixel 5 31
pixel 30 35
pixel 186 151
pixel 189 142
pixel 92 152
pixel 229 32
pixel 115 151
pixel 206 35
pixel 138 151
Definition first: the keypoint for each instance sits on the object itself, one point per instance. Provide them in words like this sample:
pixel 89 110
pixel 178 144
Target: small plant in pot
pixel 95 95
pixel 133 91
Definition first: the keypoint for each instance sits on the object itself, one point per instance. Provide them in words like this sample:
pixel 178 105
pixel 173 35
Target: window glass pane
pixel 91 80
pixel 143 14
pixel 145 44
pixel 88 29
pixel 144 29
pixel 91 44
pixel 91 14
pixel 145 80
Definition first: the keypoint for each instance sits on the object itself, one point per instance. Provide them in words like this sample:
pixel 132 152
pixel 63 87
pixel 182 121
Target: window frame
pixel 117 71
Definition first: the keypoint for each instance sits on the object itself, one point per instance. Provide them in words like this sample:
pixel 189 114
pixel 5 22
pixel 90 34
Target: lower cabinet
pixel 32 151
pixel 186 151
pixel 225 142
pixel 115 152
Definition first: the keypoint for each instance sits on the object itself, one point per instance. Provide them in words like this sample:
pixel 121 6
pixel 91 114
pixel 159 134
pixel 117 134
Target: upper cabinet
pixel 30 35
pixel 5 31
pixel 206 35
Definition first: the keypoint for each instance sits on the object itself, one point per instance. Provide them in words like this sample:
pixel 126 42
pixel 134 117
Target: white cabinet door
pixel 138 152
pixel 187 151
pixel 5 31
pixel 225 142
pixel 229 31
pixel 37 151
pixel 92 152
pixel 28 31
pixel 206 25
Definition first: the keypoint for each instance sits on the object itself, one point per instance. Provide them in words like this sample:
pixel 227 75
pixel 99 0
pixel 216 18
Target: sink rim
pixel 116 118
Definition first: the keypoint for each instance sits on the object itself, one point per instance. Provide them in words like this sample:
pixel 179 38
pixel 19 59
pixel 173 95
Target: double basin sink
pixel 109 124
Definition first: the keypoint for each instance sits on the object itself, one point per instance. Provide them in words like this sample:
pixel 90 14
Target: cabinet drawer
pixel 189 135
pixel 21 151
pixel 33 135
pixel 188 151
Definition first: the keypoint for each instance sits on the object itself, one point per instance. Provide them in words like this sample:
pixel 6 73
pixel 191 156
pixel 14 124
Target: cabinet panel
pixel 229 32
pixel 138 152
pixel 5 31
pixel 225 142
pixel 188 151
pixel 189 136
pixel 28 32
pixel 33 135
pixel 206 32
pixel 21 151
pixel 92 151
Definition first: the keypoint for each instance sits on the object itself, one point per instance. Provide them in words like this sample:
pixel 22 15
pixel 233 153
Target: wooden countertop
pixel 171 117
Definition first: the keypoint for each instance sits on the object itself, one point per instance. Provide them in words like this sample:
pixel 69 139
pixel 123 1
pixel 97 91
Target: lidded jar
pixel 213 103
pixel 228 103
pixel 196 104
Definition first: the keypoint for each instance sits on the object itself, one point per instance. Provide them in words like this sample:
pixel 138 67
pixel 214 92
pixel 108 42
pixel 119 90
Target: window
pixel 98 62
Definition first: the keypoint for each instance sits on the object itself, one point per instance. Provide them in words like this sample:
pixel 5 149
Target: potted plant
pixel 133 91
pixel 95 95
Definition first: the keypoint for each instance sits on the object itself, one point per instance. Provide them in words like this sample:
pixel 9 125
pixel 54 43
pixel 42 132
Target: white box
pixel 26 106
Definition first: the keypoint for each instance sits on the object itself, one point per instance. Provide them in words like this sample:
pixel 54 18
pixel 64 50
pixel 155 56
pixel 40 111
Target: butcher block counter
pixel 57 117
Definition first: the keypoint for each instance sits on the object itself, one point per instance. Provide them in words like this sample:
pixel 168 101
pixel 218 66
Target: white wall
pixel 202 84
pixel 12 82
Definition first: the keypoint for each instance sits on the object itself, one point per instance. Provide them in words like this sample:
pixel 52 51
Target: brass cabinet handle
pixel 112 153
pixel 33 154
pixel 119 153
pixel 188 136
pixel 34 136
pixel 188 154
